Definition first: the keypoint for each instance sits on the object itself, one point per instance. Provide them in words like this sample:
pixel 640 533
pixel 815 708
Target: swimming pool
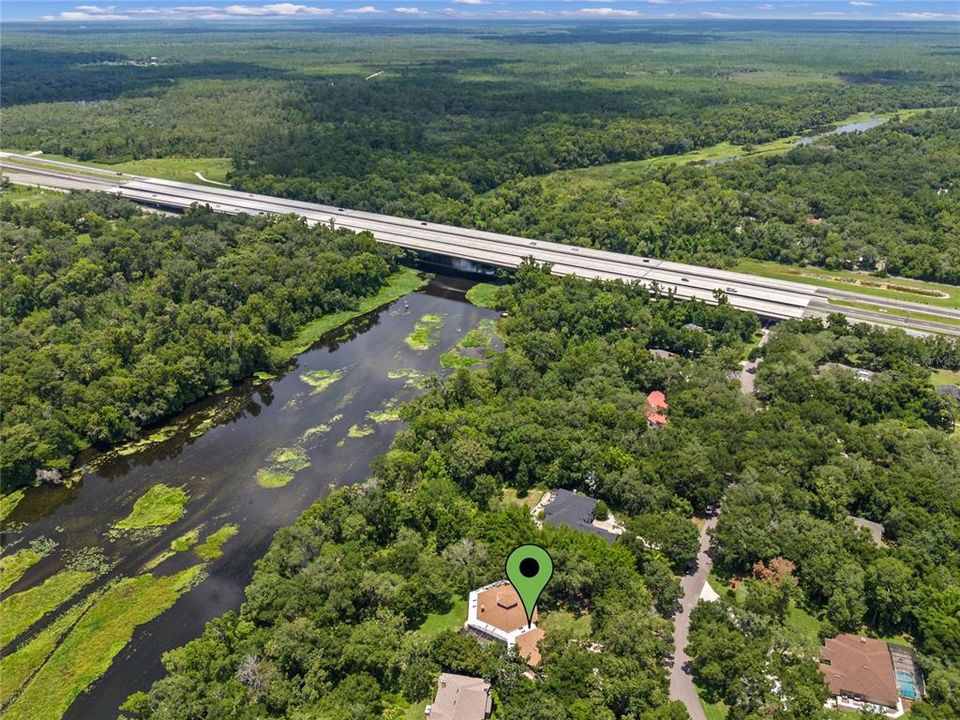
pixel 908 688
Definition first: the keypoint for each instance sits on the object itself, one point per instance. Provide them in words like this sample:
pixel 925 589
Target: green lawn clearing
pixel 453 619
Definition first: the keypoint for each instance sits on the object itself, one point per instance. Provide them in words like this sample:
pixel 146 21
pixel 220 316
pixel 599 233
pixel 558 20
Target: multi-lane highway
pixel 767 297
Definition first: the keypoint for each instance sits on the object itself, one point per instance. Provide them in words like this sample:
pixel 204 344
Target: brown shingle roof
pixel 859 667
pixel 460 697
pixel 500 606
pixel 527 646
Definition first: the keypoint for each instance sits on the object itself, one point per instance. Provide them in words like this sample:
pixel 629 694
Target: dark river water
pixel 218 470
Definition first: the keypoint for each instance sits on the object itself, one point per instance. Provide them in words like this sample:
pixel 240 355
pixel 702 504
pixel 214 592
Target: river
pixel 218 469
pixel 814 136
pixel 859 126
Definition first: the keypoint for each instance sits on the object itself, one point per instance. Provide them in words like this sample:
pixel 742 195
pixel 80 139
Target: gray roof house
pixel 576 512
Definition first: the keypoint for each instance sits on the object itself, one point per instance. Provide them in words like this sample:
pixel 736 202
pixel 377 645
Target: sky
pixel 60 11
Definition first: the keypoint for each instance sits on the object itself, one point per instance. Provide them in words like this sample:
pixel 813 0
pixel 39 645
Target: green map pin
pixel 529 569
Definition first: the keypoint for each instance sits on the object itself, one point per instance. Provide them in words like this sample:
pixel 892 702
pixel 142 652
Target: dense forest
pixel 332 623
pixel 886 200
pixel 113 320
pixel 480 127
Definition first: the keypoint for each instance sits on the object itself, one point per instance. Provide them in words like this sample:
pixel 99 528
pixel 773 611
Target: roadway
pixel 767 297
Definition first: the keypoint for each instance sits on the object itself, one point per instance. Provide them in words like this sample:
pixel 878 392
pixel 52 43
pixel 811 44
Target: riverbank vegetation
pixel 113 320
pixel 373 566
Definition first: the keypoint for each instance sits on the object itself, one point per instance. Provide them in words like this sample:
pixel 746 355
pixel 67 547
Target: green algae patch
pixel 18 667
pixel 359 431
pixel 402 282
pixel 413 378
pixel 177 545
pixel 98 636
pixel 186 541
pixel 472 348
pixel 9 502
pixel 285 462
pixel 13 567
pixel 425 332
pixel 23 609
pixel 212 545
pixel 264 376
pixel 483 295
pixel 320 429
pixel 320 380
pixel 160 505
pixel 268 478
pixel 454 359
pixel 389 413
pixel 158 436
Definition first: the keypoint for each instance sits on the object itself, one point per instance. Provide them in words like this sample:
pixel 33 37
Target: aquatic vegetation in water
pixel 23 609
pixel 454 359
pixel 9 502
pixel 212 545
pixel 425 332
pixel 483 295
pixel 187 540
pixel 264 376
pixel 13 567
pixel 159 436
pixel 414 378
pixel 160 505
pixel 18 667
pixel 359 431
pixel 178 545
pixel 91 559
pixel 389 413
pixel 285 463
pixel 268 478
pixel 473 347
pixel 320 380
pixel 98 636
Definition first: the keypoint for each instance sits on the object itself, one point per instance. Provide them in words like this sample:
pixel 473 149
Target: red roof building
pixel 656 409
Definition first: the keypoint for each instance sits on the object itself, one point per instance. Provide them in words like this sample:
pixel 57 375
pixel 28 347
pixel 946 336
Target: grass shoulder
pixel 917 291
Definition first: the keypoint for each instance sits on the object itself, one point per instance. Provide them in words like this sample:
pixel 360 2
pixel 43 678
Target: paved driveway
pixel 681 682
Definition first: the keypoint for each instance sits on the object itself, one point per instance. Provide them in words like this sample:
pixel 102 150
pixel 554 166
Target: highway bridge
pixel 769 298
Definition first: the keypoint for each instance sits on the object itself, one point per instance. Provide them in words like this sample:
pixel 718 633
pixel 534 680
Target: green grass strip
pixel 895 312
pixel 23 609
pixel 101 633
pixel 917 291
pixel 402 282
pixel 158 506
pixel 453 619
